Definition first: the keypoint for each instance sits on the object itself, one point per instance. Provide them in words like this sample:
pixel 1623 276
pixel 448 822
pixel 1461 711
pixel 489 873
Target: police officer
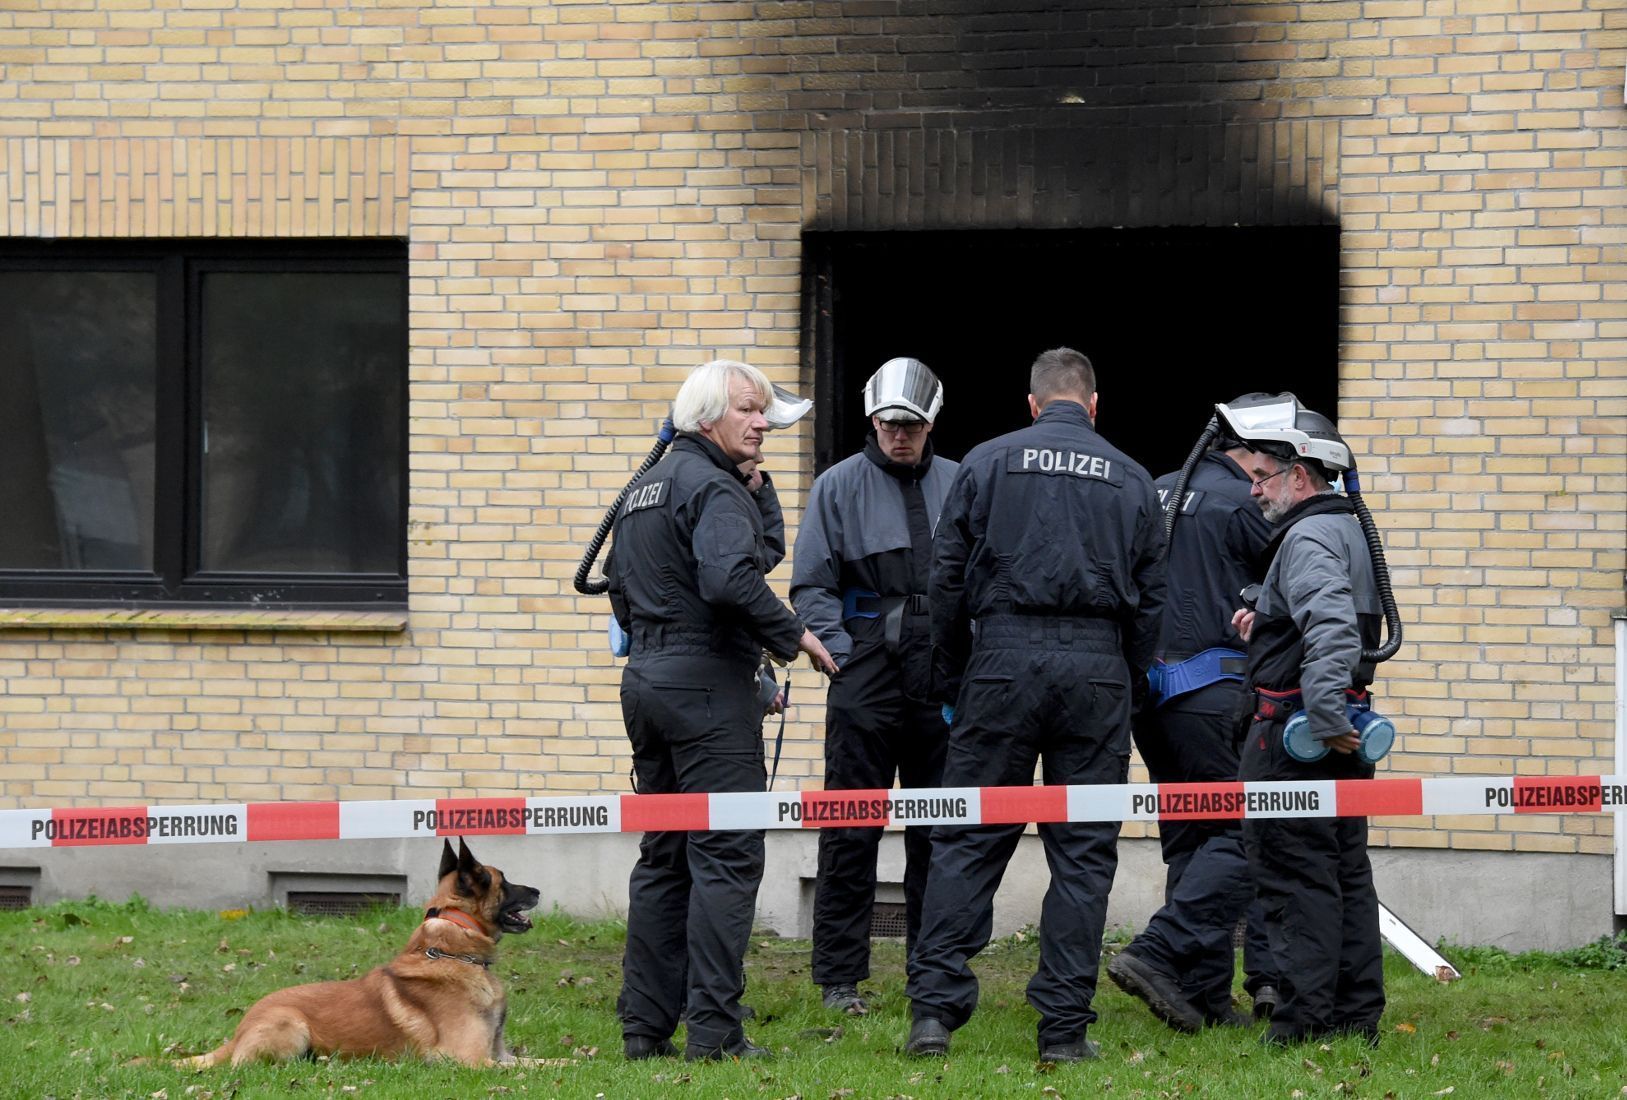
pixel 1047 588
pixel 1316 612
pixel 863 555
pixel 1181 964
pixel 687 578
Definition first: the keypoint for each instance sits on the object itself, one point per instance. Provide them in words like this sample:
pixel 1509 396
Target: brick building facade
pixel 596 196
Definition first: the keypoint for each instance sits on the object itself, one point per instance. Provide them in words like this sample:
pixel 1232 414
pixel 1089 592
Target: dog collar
pixel 456 916
pixel 482 961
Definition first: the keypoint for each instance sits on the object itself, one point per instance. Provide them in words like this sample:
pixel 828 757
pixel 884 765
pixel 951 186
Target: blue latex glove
pixel 948 713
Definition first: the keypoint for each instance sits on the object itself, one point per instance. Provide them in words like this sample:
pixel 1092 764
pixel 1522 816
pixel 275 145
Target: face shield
pixel 1263 419
pixel 786 408
pixel 907 385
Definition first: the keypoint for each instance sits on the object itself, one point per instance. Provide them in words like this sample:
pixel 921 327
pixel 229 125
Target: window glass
pixel 78 365
pixel 301 434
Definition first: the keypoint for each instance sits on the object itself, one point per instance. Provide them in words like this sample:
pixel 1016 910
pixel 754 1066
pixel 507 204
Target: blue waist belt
pixel 1209 667
pixel 861 603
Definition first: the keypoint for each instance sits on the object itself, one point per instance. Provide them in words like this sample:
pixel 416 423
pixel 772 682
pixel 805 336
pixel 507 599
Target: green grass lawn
pixel 88 987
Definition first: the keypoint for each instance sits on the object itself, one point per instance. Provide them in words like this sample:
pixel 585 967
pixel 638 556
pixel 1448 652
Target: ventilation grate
pixel 887 920
pixel 13 898
pixel 335 903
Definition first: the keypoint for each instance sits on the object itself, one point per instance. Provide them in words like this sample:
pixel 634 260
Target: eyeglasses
pixel 905 427
pixel 1260 482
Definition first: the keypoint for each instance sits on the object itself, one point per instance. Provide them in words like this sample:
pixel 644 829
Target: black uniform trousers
pixel 865 746
pixel 1191 739
pixel 696 726
pixel 1315 883
pixel 1040 690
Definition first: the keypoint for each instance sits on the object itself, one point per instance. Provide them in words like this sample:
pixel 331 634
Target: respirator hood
pixel 903 389
pixel 1279 424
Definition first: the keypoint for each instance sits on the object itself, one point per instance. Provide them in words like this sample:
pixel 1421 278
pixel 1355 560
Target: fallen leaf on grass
pixel 1406 1028
pixel 529 1062
pixel 1447 1091
pixel 824 1034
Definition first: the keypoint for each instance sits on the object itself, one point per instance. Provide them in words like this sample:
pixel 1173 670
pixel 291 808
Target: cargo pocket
pixel 685 709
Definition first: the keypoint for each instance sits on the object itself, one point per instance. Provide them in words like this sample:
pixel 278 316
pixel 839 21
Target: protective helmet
pixel 1279 425
pixel 903 389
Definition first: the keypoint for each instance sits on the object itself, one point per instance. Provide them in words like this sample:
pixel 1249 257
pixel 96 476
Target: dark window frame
pixel 176 581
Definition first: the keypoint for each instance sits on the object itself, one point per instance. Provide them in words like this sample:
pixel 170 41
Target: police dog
pixel 437 999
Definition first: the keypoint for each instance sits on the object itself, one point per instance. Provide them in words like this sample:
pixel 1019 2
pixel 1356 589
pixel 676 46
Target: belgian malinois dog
pixel 437 999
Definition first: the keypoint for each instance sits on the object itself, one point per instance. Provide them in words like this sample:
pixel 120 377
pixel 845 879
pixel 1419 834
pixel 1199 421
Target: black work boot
pixel 1229 1018
pixel 1160 992
pixel 1080 1050
pixel 636 1048
pixel 845 998
pixel 739 1049
pixel 928 1039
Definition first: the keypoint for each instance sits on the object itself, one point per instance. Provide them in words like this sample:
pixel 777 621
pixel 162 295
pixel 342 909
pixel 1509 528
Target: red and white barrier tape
pixel 633 813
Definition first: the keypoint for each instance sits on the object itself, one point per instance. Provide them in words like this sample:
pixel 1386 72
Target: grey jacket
pixel 1318 607
pixel 855 533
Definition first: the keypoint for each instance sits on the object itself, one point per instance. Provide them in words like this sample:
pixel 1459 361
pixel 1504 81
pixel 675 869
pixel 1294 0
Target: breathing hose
pixel 1381 572
pixel 663 437
pixel 1172 507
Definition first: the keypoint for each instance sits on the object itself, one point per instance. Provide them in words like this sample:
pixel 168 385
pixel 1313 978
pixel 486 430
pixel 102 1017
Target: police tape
pixel 636 813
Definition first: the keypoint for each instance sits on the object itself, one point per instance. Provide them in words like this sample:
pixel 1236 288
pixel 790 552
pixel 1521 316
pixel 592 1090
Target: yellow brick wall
pixel 598 196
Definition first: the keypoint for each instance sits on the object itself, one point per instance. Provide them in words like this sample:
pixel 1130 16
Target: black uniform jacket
pixel 1217 550
pixel 690 553
pixel 1048 520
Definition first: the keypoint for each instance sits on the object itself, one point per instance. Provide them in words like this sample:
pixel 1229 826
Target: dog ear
pixel 449 859
pixel 472 877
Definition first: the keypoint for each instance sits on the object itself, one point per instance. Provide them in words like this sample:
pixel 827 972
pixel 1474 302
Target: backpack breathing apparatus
pixel 784 409
pixel 1278 424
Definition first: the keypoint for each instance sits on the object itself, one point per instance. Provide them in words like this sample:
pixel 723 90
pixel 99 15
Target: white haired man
pixel 694 539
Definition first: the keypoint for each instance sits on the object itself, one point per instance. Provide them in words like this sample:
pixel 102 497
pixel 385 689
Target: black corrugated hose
pixel 587 587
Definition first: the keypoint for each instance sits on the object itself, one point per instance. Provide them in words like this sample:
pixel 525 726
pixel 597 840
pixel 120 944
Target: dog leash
pixel 779 740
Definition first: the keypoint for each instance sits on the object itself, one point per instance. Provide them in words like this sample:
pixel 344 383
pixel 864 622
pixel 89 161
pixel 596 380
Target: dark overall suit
pixel 868 529
pixel 1318 608
pixel 686 577
pixel 1051 544
pixel 1217 549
